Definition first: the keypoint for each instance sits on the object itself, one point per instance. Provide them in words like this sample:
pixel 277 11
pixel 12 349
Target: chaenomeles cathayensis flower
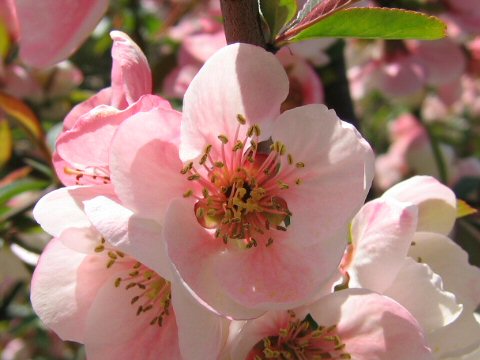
pixel 82 148
pixel 87 290
pixel 348 324
pixel 400 249
pixel 255 205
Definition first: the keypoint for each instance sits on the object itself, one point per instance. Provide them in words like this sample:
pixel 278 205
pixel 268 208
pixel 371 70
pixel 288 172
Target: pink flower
pixel 246 227
pixel 51 30
pixel 82 149
pixel 349 324
pixel 399 244
pixel 89 291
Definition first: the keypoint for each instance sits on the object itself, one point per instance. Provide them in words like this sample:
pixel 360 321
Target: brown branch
pixel 242 22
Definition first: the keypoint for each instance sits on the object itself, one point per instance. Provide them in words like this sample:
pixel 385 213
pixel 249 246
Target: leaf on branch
pixel 277 13
pixel 313 10
pixel 22 114
pixel 375 23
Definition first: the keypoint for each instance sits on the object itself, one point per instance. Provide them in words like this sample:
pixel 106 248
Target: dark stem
pixel 242 22
pixel 337 92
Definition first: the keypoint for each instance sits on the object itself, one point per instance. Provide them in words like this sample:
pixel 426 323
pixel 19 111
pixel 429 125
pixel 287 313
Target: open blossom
pixel 399 244
pixel 246 225
pixel 88 291
pixel 349 324
pixel 81 155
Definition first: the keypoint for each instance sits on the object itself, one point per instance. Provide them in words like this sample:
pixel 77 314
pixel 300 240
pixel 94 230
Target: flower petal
pixel 66 204
pixel 372 326
pixel 381 235
pixel 437 205
pixel 138 237
pixel 192 251
pixel 145 168
pixel 337 172
pixel 131 76
pixel 201 332
pixel 238 79
pixel 44 42
pixel 421 291
pixel 114 331
pixel 450 261
pixel 63 286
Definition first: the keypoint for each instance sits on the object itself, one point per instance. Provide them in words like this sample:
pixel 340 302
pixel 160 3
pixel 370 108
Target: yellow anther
pixel 205 193
pixel 241 119
pixel 300 165
pixel 137 265
pixel 223 139
pixel 187 168
pixel 203 159
pixel 290 159
pixel 256 130
pixel 219 164
pixel 238 146
pixel 193 177
pixel 269 242
pixel 117 282
pixel 200 213
pixel 208 149
pixel 298 181
pixel 112 255
pixel 110 263
pixel 253 144
pixel 134 299
pixel 119 253
pixel 99 248
pixel 188 193
pixel 134 273
pixel 282 185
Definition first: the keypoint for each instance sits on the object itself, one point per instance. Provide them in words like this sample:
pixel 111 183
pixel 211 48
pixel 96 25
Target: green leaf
pixel 277 13
pixel 9 191
pixel 376 23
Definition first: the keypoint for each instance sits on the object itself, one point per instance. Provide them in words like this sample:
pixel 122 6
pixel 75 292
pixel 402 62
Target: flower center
pixel 242 195
pixel 150 292
pixel 302 340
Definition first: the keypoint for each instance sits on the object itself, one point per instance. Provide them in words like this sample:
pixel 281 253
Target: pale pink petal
pixel 192 251
pixel 337 172
pixel 457 338
pixel 177 82
pixel 83 240
pixel 145 168
pixel 87 143
pixel 450 261
pixel 63 286
pixel 201 333
pixel 52 29
pixel 372 327
pixel 281 275
pixel 202 46
pixel 114 331
pixel 421 291
pixel 131 76
pixel 444 60
pixel 238 79
pixel 381 235
pixel 103 97
pixel 437 205
pixel 138 237
pixel 66 204
pixel 401 78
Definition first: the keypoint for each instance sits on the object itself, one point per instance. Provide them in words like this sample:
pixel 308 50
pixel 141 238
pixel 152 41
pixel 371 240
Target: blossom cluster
pixel 235 230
